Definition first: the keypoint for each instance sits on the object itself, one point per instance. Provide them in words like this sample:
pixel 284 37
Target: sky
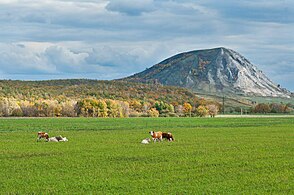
pixel 110 39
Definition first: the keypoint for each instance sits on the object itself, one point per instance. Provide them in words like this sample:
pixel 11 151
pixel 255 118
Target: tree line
pixel 93 107
pixel 92 98
pixel 273 108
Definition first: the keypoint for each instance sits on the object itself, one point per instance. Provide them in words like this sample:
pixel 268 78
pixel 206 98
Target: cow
pixel 57 139
pixel 145 141
pixel 156 135
pixel 168 136
pixel 43 135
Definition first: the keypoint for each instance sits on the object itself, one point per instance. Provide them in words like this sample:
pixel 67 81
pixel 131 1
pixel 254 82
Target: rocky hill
pixel 213 71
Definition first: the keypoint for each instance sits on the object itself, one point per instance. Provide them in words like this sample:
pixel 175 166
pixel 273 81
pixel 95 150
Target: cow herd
pixel 156 137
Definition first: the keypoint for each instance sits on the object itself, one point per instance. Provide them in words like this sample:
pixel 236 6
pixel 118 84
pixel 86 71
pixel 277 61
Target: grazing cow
pixel 145 141
pixel 57 139
pixel 43 135
pixel 156 135
pixel 168 136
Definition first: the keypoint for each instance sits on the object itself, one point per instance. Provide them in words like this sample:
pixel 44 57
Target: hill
pixel 212 71
pixel 93 98
pixel 82 88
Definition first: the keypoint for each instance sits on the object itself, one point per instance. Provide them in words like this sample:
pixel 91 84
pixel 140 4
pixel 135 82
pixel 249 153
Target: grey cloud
pixel 131 7
pixel 262 11
pixel 107 56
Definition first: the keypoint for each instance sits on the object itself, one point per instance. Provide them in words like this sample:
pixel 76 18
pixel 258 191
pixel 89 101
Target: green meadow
pixel 105 156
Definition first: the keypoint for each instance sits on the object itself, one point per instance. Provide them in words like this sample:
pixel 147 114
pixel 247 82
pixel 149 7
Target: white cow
pixel 57 139
pixel 145 141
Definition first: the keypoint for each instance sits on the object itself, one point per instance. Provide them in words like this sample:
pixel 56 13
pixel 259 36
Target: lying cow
pixel 168 136
pixel 42 135
pixel 145 141
pixel 156 136
pixel 57 139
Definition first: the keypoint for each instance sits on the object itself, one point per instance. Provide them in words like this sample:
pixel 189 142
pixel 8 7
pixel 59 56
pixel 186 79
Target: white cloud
pixel 103 62
pixel 17 59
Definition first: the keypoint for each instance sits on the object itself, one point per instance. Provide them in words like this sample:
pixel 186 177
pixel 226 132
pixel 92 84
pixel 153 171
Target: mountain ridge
pixel 216 70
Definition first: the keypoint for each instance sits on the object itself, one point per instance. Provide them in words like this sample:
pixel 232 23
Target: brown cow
pixel 43 135
pixel 168 136
pixel 156 135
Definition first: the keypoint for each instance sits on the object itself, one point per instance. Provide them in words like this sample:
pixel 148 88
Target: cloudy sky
pixel 108 39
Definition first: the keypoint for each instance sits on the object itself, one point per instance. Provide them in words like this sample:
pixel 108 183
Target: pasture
pixel 104 156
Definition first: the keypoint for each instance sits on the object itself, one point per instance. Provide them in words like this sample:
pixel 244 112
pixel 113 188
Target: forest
pixel 93 98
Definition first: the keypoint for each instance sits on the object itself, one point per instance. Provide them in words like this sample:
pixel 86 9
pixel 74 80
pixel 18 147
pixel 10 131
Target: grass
pixel 104 156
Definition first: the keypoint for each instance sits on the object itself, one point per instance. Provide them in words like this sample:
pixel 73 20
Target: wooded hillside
pixel 92 98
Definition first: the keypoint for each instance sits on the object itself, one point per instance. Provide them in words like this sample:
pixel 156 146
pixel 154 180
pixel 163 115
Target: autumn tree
pixel 28 108
pixel 113 110
pixel 277 108
pixel 171 108
pixel 201 111
pixel 102 109
pixel 84 107
pixel 68 108
pixel 212 110
pixel 48 108
pixel 8 106
pixel 124 109
pixel 187 109
pixel 153 112
pixel 146 107
pixel 4 107
pixel 262 108
pixel 136 105
pixel 179 110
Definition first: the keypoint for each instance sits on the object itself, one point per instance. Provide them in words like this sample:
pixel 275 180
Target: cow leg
pixel 160 139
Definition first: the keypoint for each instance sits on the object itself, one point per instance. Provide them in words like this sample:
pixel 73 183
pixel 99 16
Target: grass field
pixel 104 156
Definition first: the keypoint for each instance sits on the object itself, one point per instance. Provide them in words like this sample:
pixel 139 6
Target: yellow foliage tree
pixel 202 111
pixel 153 112
pixel 187 109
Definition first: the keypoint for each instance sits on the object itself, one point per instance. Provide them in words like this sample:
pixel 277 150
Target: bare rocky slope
pixel 213 71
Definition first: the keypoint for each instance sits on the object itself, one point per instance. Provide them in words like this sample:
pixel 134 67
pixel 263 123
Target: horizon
pixel 112 39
